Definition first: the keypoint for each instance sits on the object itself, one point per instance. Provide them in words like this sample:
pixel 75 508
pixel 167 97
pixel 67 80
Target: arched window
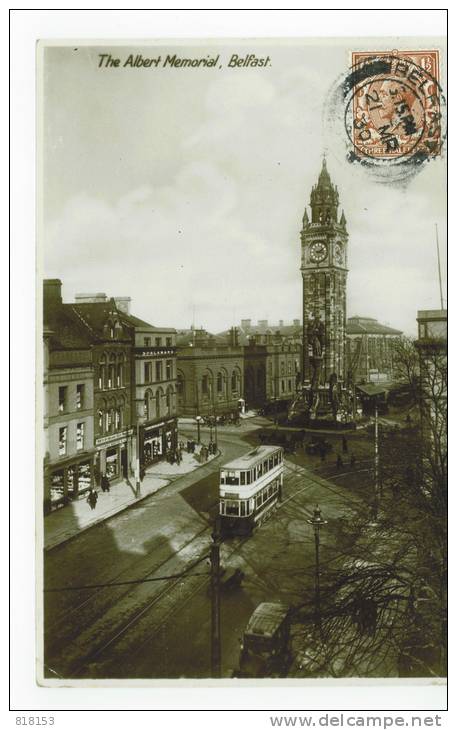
pixel 102 373
pixel 148 405
pixel 120 372
pixel 169 401
pixel 159 396
pixel 220 383
pixel 112 372
pixel 234 381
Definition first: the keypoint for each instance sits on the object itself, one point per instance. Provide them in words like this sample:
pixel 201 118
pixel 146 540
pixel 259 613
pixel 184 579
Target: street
pixel 159 626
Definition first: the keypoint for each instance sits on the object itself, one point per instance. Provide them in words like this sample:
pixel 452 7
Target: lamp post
pixel 198 419
pixel 376 464
pixel 215 602
pixel 317 522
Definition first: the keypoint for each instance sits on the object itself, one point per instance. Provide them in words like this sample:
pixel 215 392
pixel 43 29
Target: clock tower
pixel 324 242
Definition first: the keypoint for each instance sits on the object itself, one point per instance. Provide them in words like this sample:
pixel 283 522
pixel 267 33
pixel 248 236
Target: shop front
pixel 67 481
pixel 158 439
pixel 114 454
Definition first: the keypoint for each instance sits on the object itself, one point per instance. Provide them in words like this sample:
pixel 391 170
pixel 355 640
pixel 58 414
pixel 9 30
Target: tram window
pixel 258 500
pixel 280 457
pixel 270 462
pixel 248 477
pixel 232 508
pixel 222 478
pixel 222 507
pixel 275 459
pixel 259 471
pixel 242 477
pixel 265 466
pixel 243 509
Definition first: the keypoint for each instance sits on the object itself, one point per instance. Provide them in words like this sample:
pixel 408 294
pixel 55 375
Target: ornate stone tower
pixel 324 242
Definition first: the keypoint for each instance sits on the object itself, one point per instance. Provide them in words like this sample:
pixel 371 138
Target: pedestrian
pixel 352 460
pixel 339 461
pixel 345 445
pixel 105 483
pixel 92 498
pixel 142 472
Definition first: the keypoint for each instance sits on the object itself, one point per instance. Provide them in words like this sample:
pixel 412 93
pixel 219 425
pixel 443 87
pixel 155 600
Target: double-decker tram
pixel 250 488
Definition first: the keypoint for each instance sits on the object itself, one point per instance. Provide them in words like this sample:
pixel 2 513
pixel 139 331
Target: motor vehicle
pixel 265 648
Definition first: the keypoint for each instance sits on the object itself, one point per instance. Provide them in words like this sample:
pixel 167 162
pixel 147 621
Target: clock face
pixel 318 252
pixel 338 254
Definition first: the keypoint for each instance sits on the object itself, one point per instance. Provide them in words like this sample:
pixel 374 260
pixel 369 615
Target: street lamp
pixel 317 522
pixel 198 419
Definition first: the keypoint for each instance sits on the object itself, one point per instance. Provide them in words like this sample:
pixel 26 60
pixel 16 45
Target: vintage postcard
pixel 243 382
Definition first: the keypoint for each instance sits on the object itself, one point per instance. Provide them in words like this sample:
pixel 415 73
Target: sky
pixel 185 188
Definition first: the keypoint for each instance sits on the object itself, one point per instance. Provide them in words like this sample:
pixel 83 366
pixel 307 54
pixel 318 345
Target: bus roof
pixel 267 618
pixel 251 457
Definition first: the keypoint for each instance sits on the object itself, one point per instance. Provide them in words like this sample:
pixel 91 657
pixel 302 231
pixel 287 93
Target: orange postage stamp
pixel 394 101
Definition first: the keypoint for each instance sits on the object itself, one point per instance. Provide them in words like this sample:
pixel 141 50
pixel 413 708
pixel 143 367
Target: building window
pixel 147 372
pixel 62 398
pixel 158 370
pixel 79 396
pixel 283 386
pixel 62 441
pixel 219 382
pixel 205 387
pixel 100 421
pixel 289 368
pixel 282 369
pixel 79 436
pixel 169 370
pixel 234 382
pixel 147 342
pixel 117 419
pixel 290 385
pixel 109 420
pixel 120 375
pixel 169 342
pixel 158 342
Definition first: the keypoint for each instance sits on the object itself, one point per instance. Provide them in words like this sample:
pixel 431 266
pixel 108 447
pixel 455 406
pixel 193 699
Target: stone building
pixel 68 375
pixel 209 373
pixel 431 345
pixel 155 371
pixel 271 369
pixel 369 350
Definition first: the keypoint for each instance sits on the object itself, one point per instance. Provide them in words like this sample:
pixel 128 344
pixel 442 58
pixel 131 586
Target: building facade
pixel 155 374
pixel 271 369
pixel 210 377
pixel 111 349
pixel 69 458
pixel 369 350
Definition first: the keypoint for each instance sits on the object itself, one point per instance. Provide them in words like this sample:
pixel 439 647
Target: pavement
pixel 69 521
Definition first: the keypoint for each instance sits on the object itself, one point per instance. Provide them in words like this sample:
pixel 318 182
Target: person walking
pixel 345 445
pixel 92 498
pixel 105 483
pixel 339 461
pixel 352 460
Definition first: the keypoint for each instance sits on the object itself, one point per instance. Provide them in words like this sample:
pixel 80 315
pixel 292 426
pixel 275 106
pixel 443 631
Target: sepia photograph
pixel 242 376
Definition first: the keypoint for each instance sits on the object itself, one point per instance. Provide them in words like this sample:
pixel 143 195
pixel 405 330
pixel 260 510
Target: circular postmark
pixel 393 111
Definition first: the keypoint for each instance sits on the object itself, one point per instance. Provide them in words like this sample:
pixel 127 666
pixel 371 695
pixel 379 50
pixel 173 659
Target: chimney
pixel 123 304
pixel 90 298
pixel 296 323
pixel 52 292
pixel 262 323
pixel 233 337
pixel 245 324
pixel 281 323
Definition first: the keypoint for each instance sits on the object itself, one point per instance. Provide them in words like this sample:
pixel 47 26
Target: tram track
pixel 142 615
